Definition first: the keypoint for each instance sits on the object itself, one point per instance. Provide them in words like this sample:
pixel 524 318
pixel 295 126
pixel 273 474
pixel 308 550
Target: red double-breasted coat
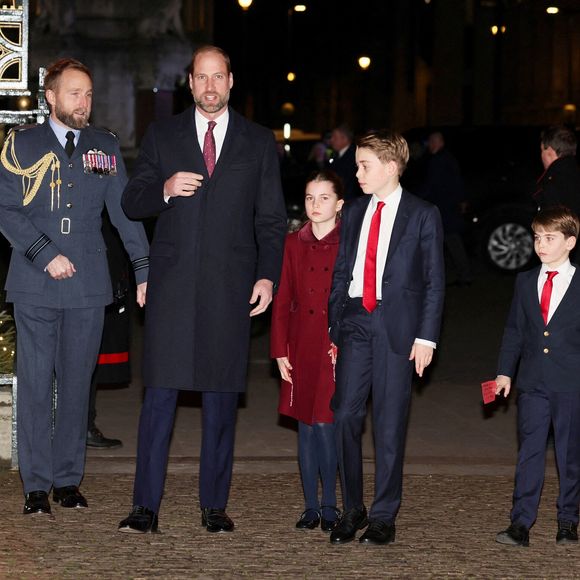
pixel 300 325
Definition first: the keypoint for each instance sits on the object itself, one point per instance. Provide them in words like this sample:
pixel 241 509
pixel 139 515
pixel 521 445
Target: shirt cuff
pixel 425 342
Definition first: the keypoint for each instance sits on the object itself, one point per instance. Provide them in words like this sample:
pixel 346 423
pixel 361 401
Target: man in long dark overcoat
pixel 212 178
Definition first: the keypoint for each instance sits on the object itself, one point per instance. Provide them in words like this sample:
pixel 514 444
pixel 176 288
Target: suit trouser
pixel 536 412
pixel 217 447
pixel 64 343
pixel 367 365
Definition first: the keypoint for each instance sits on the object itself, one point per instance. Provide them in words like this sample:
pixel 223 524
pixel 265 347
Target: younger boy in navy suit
pixel 543 334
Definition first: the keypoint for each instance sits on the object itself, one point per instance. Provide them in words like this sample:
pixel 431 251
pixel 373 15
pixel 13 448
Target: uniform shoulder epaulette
pixel 19 128
pixel 105 130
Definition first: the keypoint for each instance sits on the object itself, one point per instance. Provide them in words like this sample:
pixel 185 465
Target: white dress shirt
pixel 560 282
pixel 219 131
pixel 388 215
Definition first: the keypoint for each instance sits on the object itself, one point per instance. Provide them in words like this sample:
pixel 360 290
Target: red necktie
pixel 546 295
pixel 369 298
pixel 209 148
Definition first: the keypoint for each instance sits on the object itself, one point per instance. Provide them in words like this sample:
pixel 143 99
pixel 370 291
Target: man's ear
pixel 571 243
pixel 50 97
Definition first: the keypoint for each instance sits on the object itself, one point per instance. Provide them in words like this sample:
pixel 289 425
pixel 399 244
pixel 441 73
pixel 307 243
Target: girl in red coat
pixel 300 344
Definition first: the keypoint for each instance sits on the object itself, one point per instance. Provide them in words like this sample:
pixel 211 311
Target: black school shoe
pixel 36 502
pixel 567 532
pixel 515 535
pixel 309 519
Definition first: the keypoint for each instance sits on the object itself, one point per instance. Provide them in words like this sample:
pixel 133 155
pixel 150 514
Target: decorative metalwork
pixel 14 46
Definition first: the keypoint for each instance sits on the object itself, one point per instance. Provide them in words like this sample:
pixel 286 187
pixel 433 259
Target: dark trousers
pixel 61 343
pixel 367 366
pixel 217 447
pixel 536 412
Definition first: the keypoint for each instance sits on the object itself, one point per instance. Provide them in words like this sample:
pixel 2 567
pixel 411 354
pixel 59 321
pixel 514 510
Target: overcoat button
pixel 546 350
pixel 546 333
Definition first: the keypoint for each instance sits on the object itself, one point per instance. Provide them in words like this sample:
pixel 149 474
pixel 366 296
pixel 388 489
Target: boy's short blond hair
pixel 557 219
pixel 387 146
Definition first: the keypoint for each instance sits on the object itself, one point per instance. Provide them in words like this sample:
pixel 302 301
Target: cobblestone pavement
pixel 445 529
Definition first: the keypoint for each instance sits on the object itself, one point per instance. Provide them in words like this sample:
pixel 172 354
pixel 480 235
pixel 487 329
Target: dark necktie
pixel 70 143
pixel 546 295
pixel 209 148
pixel 369 298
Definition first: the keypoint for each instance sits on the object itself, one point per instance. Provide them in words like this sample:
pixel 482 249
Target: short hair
pixel 330 176
pixel 387 146
pixel 557 219
pixel 55 70
pixel 211 48
pixel 561 139
pixel 345 130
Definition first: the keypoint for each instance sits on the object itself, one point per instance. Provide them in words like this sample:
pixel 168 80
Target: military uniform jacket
pixel 51 205
pixel 208 250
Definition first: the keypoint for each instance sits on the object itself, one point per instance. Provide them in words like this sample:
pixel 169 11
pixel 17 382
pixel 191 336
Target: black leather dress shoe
pixel 349 523
pixel 380 533
pixel 515 535
pixel 96 440
pixel 327 525
pixel 309 519
pixel 140 521
pixel 69 497
pixel 36 502
pixel 567 532
pixel 216 520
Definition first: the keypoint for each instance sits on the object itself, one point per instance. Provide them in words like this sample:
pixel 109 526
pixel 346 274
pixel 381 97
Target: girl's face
pixel 322 203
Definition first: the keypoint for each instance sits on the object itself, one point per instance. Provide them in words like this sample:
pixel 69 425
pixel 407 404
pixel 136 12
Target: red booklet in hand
pixel 488 391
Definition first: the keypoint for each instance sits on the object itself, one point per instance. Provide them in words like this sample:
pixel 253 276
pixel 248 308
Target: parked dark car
pixel 500 167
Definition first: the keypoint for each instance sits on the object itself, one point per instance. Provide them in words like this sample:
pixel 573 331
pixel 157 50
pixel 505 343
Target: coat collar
pixel 305 235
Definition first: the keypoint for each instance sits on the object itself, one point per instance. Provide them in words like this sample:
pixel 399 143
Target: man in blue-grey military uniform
pixel 55 180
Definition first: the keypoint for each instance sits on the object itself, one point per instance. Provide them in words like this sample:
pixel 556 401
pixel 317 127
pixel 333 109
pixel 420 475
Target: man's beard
pixel 70 120
pixel 220 104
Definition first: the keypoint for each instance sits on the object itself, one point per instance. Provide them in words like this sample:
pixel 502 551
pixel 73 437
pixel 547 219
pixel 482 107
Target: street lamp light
pixel 364 62
pixel 245 4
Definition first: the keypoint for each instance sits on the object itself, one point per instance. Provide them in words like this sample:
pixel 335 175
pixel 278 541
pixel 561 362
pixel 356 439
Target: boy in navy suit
pixel 543 334
pixel 385 312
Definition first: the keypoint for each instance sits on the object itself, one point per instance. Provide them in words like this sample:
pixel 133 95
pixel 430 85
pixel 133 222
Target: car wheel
pixel 509 246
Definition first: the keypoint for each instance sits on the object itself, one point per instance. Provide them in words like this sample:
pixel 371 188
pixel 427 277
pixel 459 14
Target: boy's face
pixel 373 175
pixel 553 248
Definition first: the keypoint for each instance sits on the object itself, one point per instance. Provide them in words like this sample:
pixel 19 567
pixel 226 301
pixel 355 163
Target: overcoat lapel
pixel 188 134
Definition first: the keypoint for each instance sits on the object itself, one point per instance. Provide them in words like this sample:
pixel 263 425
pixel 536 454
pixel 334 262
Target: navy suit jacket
pixel 548 355
pixel 414 276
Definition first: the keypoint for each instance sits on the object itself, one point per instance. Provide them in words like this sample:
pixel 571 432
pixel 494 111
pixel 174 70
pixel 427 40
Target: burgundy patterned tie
pixel 209 148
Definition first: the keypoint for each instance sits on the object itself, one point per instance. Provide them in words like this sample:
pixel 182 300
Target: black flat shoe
pixel 380 533
pixel 140 521
pixel 515 535
pixel 347 526
pixel 216 520
pixel 69 497
pixel 329 525
pixel 567 533
pixel 309 519
pixel 36 502
pixel 96 440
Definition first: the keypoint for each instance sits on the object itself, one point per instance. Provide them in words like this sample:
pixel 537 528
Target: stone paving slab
pixel 446 529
